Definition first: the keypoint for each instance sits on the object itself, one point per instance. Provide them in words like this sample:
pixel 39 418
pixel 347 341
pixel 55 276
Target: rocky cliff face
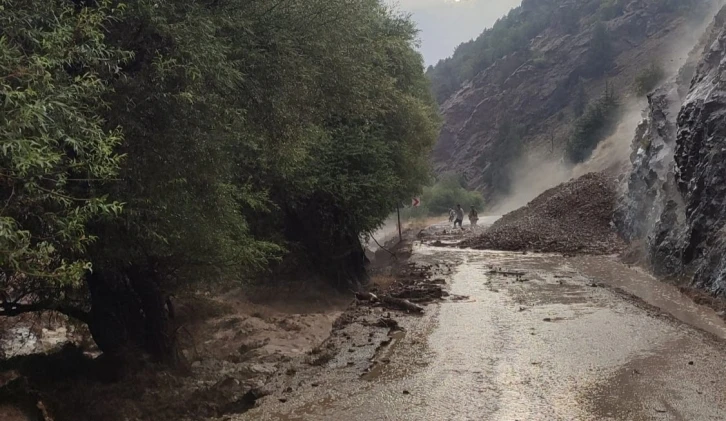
pixel 674 204
pixel 525 102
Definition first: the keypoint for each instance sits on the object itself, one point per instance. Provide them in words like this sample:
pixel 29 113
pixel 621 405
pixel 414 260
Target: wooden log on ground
pixel 390 302
pixel 366 296
pixel 401 304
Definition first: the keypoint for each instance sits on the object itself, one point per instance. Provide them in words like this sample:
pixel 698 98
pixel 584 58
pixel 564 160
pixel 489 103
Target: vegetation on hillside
pixel 445 194
pixel 600 54
pixel 593 126
pixel 579 104
pixel 610 9
pixel 648 79
pixel 160 143
pixel 514 32
pixel 509 34
pixel 509 147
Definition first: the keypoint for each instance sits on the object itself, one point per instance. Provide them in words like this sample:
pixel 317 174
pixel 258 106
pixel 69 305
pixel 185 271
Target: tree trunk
pixel 129 316
pixel 339 255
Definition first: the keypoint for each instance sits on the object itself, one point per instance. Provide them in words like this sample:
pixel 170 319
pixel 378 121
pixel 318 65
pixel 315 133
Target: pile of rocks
pixel 574 217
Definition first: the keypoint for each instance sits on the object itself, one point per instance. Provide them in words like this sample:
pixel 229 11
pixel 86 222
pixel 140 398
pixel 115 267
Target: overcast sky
pixel 444 24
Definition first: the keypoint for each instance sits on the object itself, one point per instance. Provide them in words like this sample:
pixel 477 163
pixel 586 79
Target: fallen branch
pixel 383 248
pixel 402 304
pixel 12 309
pixel 366 296
pixel 390 302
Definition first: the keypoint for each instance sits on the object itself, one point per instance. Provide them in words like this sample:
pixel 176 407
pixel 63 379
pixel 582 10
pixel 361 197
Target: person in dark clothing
pixel 459 216
pixel 473 217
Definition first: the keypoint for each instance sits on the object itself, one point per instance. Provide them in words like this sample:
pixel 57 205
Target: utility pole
pixel 398 212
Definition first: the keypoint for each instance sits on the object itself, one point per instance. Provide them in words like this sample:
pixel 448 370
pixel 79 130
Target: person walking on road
pixel 452 215
pixel 473 217
pixel 459 216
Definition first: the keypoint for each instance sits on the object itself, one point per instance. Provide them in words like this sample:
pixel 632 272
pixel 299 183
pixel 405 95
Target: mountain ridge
pixel 525 102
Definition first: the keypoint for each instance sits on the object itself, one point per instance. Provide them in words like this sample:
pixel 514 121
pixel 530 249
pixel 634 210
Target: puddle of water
pixel 384 356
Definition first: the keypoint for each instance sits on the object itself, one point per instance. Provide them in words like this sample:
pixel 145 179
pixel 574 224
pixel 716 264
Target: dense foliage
pixel 593 126
pixel 166 142
pixel 445 194
pixel 648 79
pixel 55 149
pixel 610 9
pixel 509 147
pixel 600 54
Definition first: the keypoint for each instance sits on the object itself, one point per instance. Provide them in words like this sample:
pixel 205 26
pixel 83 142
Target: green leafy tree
pixel 648 79
pixel 183 219
pixel 600 55
pixel 580 102
pixel 56 151
pixel 594 125
pixel 253 133
pixel 445 194
pixel 356 150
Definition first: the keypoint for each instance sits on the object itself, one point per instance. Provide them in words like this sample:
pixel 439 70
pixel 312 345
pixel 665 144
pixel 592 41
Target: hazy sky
pixel 444 24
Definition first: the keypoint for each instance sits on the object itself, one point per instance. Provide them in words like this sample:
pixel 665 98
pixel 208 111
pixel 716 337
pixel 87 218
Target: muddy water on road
pixel 548 345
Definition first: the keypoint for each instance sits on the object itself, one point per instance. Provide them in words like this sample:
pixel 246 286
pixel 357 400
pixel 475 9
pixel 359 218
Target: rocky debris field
pixel 574 217
pixel 364 335
pixel 376 315
pixel 415 286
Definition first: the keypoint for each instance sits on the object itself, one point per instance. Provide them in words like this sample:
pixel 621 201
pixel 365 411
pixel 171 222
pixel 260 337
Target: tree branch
pixel 13 309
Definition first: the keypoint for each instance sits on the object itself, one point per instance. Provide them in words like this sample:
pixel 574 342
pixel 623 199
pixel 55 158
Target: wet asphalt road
pixel 559 343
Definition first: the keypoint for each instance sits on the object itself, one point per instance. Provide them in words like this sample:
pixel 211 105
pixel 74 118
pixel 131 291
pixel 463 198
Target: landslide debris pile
pixel 574 217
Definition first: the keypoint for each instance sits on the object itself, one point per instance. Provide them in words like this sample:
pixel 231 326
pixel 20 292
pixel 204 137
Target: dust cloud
pixel 385 233
pixel 612 155
pixel 533 174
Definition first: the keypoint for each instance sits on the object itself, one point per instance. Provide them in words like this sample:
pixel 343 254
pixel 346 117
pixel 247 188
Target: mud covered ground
pixel 240 345
pixel 574 217
pixel 530 337
pixel 501 336
pixel 232 341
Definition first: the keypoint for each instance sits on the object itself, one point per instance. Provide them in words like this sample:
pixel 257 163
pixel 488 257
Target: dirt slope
pixel 574 217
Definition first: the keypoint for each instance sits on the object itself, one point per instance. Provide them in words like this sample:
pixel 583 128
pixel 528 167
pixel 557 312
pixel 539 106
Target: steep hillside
pixel 674 205
pixel 549 59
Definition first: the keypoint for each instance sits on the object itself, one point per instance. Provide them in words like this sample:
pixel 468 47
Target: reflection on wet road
pixel 552 344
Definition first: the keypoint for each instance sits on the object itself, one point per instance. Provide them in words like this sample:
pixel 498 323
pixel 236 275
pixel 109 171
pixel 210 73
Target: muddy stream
pixel 541 337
